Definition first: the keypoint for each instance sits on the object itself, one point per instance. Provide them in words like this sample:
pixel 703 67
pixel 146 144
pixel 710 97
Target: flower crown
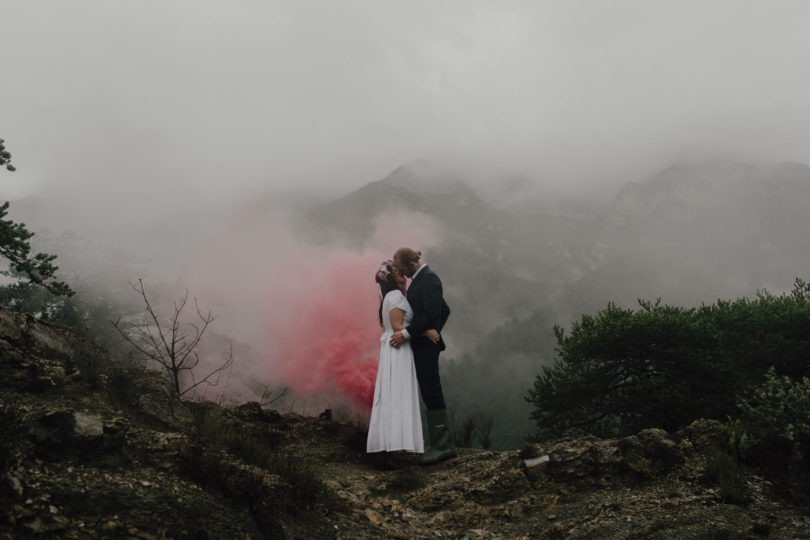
pixel 386 267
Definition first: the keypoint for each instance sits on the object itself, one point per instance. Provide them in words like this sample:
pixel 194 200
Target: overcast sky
pixel 116 99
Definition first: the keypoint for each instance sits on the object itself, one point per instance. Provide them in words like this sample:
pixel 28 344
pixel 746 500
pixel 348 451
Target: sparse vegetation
pixel 465 433
pixel 727 473
pixel 273 395
pixel 485 432
pixel 215 440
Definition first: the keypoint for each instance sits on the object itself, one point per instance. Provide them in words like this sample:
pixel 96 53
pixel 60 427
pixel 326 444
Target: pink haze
pixel 330 340
pixel 308 312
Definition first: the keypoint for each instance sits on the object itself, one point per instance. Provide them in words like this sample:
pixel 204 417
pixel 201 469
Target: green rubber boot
pixel 442 445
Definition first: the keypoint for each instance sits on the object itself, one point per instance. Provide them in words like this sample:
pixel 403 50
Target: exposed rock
pixel 591 462
pixel 253 411
pixel 87 426
pixel 375 518
pixel 702 435
pixel 11 485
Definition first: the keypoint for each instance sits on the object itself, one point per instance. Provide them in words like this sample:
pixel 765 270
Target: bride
pixel 396 422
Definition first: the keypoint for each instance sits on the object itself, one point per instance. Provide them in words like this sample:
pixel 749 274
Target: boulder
pixel 702 434
pixel 62 429
pixel 596 462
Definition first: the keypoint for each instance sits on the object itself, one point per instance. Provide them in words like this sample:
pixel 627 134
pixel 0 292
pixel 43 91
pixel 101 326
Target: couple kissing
pixel 412 321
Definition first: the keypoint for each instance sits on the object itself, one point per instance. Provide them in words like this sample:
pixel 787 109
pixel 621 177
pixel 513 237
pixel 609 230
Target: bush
pixel 739 440
pixel 622 370
pixel 778 407
pixel 773 433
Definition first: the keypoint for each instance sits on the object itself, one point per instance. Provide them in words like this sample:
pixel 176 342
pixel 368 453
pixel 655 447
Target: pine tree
pixel 15 246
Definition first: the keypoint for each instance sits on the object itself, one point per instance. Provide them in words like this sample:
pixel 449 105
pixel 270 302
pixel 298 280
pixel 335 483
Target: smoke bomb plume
pixel 309 311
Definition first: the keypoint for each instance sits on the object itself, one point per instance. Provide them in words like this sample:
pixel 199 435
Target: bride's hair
pixel 387 281
pixel 407 255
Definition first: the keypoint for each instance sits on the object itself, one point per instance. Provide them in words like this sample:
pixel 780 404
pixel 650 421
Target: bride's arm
pixel 397 316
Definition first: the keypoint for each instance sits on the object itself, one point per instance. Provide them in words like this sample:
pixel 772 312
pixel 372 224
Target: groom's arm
pixel 427 306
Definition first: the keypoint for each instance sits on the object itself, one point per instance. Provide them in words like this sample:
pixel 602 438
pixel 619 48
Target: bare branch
pixel 217 372
pixel 271 396
pixel 132 342
pixel 173 344
pixel 151 312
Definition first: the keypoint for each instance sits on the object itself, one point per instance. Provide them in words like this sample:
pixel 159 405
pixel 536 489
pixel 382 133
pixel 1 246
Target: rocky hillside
pixel 93 448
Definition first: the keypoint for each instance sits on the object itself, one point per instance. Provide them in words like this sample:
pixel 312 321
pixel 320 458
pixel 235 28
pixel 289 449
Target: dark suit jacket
pixel 425 296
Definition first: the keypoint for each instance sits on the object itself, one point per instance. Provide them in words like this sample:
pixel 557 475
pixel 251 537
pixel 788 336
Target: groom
pixel 429 311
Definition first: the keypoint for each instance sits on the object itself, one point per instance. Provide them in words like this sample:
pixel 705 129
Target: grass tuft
pixel 724 471
pixel 214 438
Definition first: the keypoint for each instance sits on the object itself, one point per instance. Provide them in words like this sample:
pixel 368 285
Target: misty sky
pixel 111 100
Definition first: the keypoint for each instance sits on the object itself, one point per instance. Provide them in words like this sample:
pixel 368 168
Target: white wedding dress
pixel 396 423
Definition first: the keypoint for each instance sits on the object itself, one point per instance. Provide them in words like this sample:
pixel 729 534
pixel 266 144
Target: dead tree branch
pixel 172 344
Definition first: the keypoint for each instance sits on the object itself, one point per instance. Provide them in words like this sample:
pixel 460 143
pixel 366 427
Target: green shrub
pixel 739 439
pixel 622 370
pixel 776 413
pixel 779 407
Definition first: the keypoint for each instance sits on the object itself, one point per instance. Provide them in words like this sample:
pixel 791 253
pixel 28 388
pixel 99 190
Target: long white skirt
pixel 396 423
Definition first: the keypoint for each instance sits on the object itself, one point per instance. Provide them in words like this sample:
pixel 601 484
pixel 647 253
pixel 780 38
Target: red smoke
pixel 324 323
pixel 326 333
pixel 309 312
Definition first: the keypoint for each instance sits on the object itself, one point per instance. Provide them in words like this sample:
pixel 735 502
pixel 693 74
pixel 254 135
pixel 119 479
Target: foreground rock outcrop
pixel 94 449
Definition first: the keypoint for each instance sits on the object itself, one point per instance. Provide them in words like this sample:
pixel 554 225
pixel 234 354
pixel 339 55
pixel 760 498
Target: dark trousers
pixel 426 360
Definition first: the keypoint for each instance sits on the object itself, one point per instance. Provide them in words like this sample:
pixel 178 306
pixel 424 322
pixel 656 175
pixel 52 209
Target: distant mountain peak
pixel 423 176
